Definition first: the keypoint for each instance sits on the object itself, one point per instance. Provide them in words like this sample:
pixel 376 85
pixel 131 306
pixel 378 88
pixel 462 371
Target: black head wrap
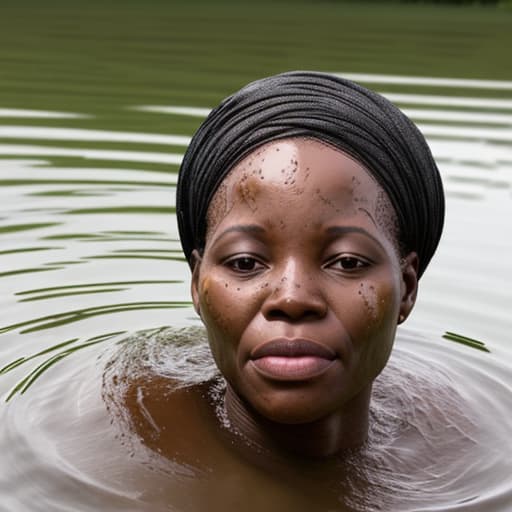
pixel 356 120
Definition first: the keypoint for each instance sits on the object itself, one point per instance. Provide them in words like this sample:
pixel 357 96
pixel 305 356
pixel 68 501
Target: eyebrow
pixel 252 229
pixel 343 230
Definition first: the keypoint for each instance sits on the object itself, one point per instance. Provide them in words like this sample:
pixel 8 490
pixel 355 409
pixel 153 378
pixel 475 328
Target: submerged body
pixel 301 284
pixel 184 453
pixel 308 208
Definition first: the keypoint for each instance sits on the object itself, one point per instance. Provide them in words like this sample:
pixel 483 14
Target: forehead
pixel 284 177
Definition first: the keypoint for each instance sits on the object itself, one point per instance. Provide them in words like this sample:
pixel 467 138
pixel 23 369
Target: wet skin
pixel 301 287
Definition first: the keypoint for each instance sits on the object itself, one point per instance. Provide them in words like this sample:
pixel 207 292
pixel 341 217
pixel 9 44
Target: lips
pixel 292 359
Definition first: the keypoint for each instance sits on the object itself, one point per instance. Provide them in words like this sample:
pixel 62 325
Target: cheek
pixel 227 308
pixel 212 294
pixel 379 301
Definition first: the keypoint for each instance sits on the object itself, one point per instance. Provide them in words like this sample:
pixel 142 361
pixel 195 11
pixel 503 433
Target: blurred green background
pixel 100 57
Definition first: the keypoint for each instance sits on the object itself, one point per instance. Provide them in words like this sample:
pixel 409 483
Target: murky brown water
pixel 89 256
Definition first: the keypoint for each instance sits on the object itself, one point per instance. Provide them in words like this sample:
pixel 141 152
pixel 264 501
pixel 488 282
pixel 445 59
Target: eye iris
pixel 245 264
pixel 349 263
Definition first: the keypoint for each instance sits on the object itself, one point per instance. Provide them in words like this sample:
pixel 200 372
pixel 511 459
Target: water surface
pixel 89 256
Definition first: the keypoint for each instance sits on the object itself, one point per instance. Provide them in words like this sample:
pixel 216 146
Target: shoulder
pixel 157 386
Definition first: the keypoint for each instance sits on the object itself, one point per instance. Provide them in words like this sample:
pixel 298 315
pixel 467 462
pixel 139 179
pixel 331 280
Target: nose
pixel 297 296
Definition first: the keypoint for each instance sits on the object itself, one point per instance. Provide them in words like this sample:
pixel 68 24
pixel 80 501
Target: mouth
pixel 292 359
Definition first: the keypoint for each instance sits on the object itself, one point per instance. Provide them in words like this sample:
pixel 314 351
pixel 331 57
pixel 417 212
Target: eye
pixel 244 264
pixel 347 263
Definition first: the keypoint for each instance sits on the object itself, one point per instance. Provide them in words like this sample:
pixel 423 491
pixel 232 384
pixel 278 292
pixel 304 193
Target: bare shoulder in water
pixel 165 395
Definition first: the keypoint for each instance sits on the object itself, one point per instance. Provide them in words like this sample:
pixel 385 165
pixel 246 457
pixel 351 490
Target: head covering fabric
pixel 334 110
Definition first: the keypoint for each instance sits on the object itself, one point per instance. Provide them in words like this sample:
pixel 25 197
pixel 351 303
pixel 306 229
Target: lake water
pixel 89 255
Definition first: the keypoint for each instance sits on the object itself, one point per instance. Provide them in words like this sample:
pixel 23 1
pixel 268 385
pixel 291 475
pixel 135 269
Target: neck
pixel 331 435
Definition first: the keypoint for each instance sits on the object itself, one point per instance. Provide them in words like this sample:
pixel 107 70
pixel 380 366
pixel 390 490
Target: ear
pixel 409 268
pixel 194 285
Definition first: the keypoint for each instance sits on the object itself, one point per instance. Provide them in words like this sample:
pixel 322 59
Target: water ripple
pixel 434 442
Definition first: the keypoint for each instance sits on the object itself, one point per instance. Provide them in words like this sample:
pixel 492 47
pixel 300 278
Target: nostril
pixel 292 313
pixel 277 314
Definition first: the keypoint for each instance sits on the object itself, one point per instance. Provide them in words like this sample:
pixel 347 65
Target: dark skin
pixel 342 284
pixel 298 254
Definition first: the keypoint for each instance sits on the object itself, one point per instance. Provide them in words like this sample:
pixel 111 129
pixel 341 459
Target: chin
pixel 286 411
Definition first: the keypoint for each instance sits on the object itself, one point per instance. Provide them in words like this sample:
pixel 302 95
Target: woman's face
pixel 300 285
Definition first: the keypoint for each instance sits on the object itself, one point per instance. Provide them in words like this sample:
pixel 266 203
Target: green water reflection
pixel 102 57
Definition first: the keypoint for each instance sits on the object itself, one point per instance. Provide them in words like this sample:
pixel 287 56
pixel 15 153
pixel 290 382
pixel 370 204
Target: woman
pixel 308 209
